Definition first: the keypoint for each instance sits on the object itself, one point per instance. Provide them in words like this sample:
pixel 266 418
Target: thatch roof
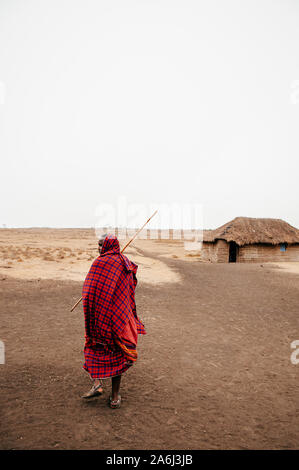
pixel 248 231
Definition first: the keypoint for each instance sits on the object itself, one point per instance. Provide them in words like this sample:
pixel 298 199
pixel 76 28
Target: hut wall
pixel 264 253
pixel 216 252
pixel 222 248
pixel 207 252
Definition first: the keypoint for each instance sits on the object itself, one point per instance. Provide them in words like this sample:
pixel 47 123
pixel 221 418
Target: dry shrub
pixel 193 254
pixel 48 257
pixel 38 253
pixel 27 253
pixel 60 254
pixel 70 254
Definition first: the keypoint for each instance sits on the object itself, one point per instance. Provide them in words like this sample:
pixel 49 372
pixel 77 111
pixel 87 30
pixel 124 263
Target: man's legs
pixel 96 389
pixel 98 382
pixel 115 387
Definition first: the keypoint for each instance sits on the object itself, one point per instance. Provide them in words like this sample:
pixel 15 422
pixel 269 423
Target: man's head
pixel 108 242
pixel 101 241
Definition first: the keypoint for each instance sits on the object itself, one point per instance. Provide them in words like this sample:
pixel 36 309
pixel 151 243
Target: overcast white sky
pixel 155 101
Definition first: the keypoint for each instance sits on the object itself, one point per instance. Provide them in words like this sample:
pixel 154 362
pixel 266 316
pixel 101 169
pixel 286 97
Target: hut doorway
pixel 233 251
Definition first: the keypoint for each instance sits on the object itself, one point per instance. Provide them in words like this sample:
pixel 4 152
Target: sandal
pixel 94 391
pixel 115 403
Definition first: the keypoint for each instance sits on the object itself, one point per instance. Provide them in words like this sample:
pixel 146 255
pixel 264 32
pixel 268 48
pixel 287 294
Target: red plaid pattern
pixel 108 303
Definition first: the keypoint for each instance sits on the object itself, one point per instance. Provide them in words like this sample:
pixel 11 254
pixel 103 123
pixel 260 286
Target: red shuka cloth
pixel 111 321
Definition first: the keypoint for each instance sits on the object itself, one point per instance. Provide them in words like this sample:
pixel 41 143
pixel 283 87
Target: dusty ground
pixel 214 370
pixel 291 267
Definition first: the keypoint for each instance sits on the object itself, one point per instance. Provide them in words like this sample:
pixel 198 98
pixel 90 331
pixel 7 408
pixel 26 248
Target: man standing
pixel 111 321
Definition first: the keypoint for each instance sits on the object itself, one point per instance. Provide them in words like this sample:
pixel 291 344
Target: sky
pixel 152 102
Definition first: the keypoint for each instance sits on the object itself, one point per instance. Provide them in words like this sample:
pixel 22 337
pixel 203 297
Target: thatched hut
pixel 246 239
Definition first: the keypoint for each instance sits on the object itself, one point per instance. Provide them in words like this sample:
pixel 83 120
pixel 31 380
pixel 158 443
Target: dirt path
pixel 214 370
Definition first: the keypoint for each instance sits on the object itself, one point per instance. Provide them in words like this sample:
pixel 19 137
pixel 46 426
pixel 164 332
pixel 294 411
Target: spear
pixel 126 246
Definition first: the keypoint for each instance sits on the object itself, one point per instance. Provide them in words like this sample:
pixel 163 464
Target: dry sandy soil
pixel 214 370
pixel 66 254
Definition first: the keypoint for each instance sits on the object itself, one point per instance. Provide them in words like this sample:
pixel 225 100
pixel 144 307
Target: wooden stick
pixel 126 246
pixel 138 231
pixel 77 303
